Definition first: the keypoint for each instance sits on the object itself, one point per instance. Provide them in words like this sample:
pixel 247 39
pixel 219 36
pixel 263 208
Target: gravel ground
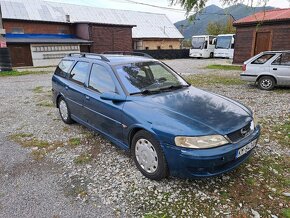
pixel 58 170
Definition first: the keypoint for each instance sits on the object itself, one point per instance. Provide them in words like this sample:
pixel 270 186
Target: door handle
pixel 87 97
pixel 274 68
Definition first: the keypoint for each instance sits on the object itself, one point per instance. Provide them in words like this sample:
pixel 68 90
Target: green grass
pixel 286 213
pixel 209 79
pixel 38 89
pixel 74 142
pixel 223 67
pixel 83 159
pixel 45 104
pixel 18 73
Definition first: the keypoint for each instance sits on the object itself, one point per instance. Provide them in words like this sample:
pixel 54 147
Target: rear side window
pixel 63 68
pixel 283 59
pixel 263 59
pixel 101 80
pixel 79 72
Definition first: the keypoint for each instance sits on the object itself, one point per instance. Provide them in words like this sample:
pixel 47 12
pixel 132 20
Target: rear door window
pixel 63 68
pixel 263 59
pixel 101 80
pixel 79 72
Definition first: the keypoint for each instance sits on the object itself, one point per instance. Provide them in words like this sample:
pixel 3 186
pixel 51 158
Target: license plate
pixel 246 148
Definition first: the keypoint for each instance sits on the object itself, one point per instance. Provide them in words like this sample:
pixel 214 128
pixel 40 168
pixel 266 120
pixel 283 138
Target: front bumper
pixel 191 163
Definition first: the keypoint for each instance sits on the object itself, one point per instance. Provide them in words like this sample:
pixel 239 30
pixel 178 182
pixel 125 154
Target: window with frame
pixel 101 79
pixel 283 59
pixel 17 30
pixel 63 68
pixel 263 59
pixel 79 72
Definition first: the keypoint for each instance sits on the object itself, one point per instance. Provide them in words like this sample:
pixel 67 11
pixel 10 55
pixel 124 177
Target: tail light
pixel 244 67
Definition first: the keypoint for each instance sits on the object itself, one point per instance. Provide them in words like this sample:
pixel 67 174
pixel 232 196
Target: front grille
pixel 240 134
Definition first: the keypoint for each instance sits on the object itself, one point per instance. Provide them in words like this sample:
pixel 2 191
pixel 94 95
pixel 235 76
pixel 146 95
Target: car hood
pixel 194 107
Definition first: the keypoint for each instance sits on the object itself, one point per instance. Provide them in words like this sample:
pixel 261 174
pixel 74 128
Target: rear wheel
pixel 64 111
pixel 148 156
pixel 266 83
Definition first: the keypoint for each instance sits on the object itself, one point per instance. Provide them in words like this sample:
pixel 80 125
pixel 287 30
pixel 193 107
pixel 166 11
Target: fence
pixel 5 61
pixel 167 54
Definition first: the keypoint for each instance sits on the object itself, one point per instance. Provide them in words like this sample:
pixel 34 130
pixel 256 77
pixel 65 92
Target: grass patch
pixel 223 67
pixel 277 132
pixel 38 89
pixel 20 73
pixel 45 104
pixel 39 147
pixel 286 212
pixel 74 142
pixel 83 158
pixel 204 80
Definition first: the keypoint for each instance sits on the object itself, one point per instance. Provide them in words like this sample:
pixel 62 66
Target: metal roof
pixel 264 16
pixel 148 25
pixel 47 40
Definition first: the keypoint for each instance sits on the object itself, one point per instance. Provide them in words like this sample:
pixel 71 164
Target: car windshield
pixel 148 77
pixel 198 42
pixel 224 42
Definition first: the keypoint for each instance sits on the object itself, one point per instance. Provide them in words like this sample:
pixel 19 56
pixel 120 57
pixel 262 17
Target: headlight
pixel 201 141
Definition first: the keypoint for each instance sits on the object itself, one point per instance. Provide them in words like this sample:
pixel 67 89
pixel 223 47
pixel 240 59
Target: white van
pixel 224 47
pixel 202 46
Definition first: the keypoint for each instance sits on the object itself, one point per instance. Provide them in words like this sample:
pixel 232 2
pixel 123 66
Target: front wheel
pixel 266 83
pixel 148 156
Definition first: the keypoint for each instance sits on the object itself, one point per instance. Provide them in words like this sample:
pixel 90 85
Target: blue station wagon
pixel 143 106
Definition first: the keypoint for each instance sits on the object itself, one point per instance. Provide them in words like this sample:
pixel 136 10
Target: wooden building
pixel 263 31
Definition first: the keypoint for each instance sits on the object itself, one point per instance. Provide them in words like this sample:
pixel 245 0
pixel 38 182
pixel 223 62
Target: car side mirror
pixel 111 96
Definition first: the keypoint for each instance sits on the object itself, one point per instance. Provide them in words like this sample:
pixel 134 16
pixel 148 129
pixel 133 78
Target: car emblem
pixel 244 131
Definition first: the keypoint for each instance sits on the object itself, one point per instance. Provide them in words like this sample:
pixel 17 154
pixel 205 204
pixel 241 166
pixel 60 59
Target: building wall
pixel 110 38
pixel 155 44
pixel 82 31
pixel 50 54
pixel 246 40
pixel 39 27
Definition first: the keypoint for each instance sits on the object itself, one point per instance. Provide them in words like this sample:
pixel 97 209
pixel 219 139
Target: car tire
pixel 211 55
pixel 266 83
pixel 148 156
pixel 64 111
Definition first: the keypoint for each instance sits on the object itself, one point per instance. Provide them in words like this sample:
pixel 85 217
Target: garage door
pixel 20 55
pixel 262 42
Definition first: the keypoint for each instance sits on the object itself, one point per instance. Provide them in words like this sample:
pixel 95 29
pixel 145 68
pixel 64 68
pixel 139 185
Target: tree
pixel 216 28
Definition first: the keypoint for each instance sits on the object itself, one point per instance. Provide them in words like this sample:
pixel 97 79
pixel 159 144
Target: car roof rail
pixel 89 55
pixel 129 53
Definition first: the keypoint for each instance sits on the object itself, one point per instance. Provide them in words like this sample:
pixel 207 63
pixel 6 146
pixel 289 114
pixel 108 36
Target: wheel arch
pixel 270 75
pixel 136 129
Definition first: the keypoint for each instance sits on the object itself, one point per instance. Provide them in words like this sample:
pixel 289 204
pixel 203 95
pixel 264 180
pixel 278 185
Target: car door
pixel 281 68
pixel 75 87
pixel 103 115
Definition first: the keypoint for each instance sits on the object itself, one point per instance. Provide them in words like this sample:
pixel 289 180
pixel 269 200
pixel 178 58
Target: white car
pixel 268 69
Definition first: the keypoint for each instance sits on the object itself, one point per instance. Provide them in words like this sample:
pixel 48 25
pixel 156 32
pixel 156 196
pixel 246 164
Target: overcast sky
pixel 173 15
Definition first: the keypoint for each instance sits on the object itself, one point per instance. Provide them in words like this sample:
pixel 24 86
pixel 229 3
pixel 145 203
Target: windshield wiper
pixel 174 87
pixel 146 92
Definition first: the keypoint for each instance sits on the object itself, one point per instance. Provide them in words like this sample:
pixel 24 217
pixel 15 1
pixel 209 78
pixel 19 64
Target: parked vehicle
pixel 224 47
pixel 268 69
pixel 143 106
pixel 202 46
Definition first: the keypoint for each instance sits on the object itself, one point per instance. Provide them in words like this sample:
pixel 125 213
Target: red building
pixel 263 31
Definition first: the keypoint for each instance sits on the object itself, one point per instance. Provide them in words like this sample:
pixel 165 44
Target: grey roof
pixel 148 25
pixel 44 40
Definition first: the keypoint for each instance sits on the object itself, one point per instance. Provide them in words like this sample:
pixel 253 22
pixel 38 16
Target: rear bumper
pixel 190 163
pixel 248 77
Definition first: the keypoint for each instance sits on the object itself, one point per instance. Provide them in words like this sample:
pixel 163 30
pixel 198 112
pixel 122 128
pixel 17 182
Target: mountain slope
pixel 213 13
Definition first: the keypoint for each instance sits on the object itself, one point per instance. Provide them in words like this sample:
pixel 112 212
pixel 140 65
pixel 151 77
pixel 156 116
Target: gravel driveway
pixel 50 169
